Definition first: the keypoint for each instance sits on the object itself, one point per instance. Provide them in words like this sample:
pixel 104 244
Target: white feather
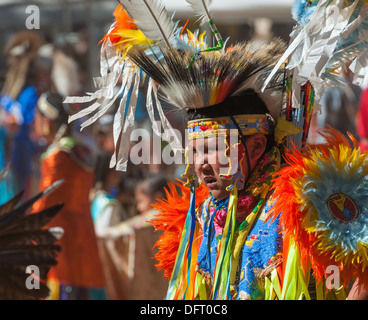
pixel 151 18
pixel 201 8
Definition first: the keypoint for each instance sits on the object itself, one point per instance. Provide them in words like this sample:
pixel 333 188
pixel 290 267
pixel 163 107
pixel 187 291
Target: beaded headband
pixel 46 108
pixel 213 127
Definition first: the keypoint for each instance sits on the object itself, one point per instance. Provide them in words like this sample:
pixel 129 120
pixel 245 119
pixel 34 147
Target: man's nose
pixel 206 167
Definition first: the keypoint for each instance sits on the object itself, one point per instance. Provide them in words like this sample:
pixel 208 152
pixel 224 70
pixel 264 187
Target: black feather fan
pixel 27 248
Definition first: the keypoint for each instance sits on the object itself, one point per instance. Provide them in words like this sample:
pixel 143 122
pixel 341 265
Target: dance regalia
pixel 78 274
pixel 257 245
pixel 281 229
pixel 305 227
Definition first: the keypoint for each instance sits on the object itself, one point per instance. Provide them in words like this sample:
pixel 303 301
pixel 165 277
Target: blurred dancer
pixel 78 274
pixel 128 249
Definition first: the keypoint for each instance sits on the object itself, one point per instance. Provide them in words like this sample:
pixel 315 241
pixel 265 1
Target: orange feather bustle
pixel 170 219
pixel 289 207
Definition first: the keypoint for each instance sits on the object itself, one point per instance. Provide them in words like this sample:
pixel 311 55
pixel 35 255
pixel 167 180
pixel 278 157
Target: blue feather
pixel 317 190
pixel 302 11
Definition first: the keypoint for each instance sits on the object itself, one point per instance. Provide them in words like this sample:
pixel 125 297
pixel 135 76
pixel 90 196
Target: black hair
pixel 102 166
pixel 56 100
pixel 153 184
pixel 247 103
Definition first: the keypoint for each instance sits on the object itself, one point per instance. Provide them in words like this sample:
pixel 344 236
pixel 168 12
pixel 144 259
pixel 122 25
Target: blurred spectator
pixel 147 191
pixel 34 67
pixel 127 249
pixel 27 77
pixel 125 194
pixel 78 274
pixel 106 209
pixel 362 121
pixel 6 184
pixel 103 132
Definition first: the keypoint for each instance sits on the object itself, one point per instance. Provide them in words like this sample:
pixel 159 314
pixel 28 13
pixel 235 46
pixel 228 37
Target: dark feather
pixel 32 221
pixel 38 237
pixel 10 217
pixel 10 205
pixel 26 258
pixel 12 286
pixel 25 242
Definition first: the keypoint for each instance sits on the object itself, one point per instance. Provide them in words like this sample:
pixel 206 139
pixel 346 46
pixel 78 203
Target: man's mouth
pixel 210 182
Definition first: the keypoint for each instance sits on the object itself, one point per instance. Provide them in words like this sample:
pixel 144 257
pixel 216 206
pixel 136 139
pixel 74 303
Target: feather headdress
pixel 21 51
pixel 328 36
pixel 144 44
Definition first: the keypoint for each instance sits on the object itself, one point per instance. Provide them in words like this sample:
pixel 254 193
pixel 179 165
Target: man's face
pixel 209 161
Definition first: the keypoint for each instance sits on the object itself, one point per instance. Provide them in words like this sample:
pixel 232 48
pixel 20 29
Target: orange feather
pixel 122 22
pixel 170 219
pixel 289 209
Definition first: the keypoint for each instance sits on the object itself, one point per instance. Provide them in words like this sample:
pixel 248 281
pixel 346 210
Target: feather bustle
pixel 292 211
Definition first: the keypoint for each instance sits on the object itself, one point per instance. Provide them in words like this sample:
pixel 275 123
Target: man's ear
pixel 257 145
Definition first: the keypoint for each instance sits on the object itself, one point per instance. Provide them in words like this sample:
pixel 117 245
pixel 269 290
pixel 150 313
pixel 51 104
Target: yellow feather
pixel 132 37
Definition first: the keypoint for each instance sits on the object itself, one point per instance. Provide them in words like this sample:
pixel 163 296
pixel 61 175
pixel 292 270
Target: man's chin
pixel 220 194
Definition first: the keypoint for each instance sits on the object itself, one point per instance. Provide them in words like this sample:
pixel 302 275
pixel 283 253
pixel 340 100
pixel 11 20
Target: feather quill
pixel 201 8
pixel 151 18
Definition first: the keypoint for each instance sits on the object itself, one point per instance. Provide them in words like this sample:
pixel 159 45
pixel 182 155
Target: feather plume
pixel 215 76
pixel 12 216
pixel 124 32
pixel 24 241
pixel 151 18
pixel 122 21
pixel 201 8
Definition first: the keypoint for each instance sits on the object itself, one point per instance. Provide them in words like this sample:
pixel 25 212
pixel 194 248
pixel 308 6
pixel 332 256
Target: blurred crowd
pixel 105 211
pixel 344 108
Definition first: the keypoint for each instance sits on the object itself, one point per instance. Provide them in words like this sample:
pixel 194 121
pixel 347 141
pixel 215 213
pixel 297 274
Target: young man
pixel 255 242
pixel 254 245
